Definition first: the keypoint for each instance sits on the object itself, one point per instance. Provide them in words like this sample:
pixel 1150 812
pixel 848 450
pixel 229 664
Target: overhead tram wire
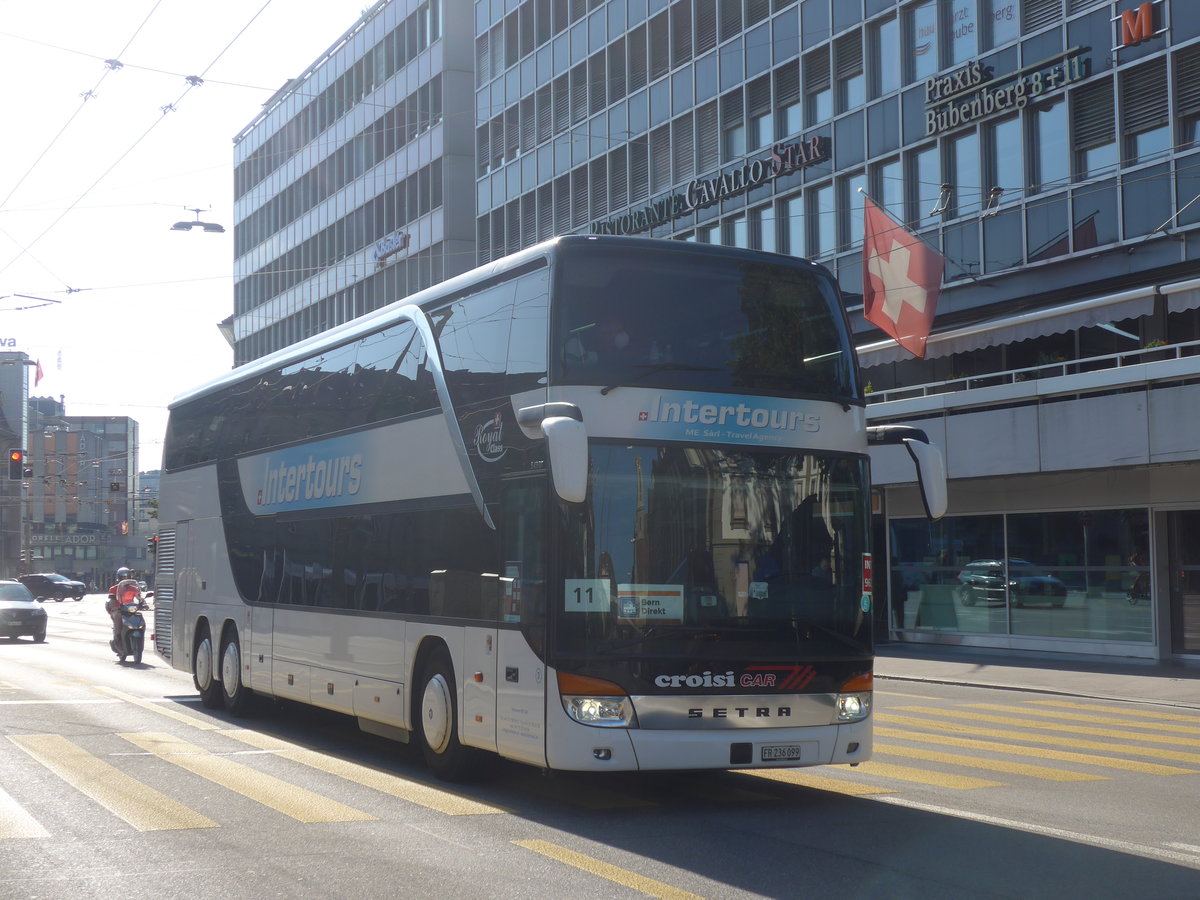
pixel 193 81
pixel 85 97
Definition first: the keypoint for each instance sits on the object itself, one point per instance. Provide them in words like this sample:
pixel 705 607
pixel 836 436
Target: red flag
pixel 37 378
pixel 902 277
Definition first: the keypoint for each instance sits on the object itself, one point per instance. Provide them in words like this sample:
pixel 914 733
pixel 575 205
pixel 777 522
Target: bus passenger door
pixel 520 673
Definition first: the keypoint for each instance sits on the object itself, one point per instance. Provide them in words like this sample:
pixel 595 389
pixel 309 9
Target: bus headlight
pixel 854 699
pixel 594 701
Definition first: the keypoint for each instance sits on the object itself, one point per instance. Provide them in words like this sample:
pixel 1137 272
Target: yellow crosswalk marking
pixel 163 710
pixel 1080 743
pixel 15 822
pixel 1093 718
pixel 1118 734
pixel 607 871
pixel 805 778
pixel 1123 711
pixel 125 797
pixel 926 776
pixel 439 799
pixel 979 762
pixel 289 799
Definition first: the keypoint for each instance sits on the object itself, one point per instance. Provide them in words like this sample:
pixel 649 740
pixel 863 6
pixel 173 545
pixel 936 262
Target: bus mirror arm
pixel 566 444
pixel 928 458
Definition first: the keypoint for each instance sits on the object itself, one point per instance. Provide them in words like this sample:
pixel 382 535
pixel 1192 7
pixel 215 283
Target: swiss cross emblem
pixel 643 417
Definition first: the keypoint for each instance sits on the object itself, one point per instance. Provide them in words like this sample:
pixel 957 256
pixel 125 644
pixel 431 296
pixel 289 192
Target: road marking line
pixel 289 799
pixel 1119 711
pixel 607 871
pixel 127 798
pixel 817 782
pixel 1094 719
pixel 90 701
pixel 156 706
pixel 438 799
pixel 15 822
pixel 995 765
pixel 926 776
pixel 1114 762
pixel 1127 847
pixel 1123 734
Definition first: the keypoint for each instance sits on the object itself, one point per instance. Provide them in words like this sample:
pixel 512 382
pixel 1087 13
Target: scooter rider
pixel 124 591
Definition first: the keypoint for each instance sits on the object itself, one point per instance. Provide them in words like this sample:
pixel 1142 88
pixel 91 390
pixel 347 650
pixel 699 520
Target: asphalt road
pixel 115 782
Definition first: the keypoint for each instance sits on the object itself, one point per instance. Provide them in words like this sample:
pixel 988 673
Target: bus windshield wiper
pixel 842 639
pixel 655 368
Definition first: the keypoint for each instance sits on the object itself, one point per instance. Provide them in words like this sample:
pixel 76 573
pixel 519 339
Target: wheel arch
pixel 429 645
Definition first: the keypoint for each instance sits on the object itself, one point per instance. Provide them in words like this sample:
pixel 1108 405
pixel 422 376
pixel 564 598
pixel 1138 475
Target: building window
pixel 733 127
pixel 762 228
pixel 736 232
pixel 1187 95
pixel 759 131
pixel 922 40
pixel 1005 161
pixel 851 82
pixel 962 31
pixel 924 185
pixel 1144 124
pixel 1093 126
pixel 885 56
pixel 822 212
pixel 965 190
pixel 1000 22
pixel 850 190
pixel 818 95
pixel 1049 141
pixel 887 187
pixel 793 225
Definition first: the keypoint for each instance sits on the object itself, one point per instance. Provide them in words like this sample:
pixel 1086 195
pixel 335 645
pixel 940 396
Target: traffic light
pixel 16 464
pixel 152 545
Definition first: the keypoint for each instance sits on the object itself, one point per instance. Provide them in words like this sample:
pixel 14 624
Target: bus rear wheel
pixel 236 695
pixel 437 722
pixel 203 673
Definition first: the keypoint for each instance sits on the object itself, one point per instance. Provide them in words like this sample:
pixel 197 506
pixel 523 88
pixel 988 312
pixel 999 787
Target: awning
pixel 1023 326
pixel 1181 295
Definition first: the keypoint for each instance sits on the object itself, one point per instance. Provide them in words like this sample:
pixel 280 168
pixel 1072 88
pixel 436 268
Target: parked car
pixel 984 581
pixel 52 586
pixel 20 613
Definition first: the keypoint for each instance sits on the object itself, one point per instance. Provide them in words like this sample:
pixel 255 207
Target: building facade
pixel 348 186
pixel 1046 147
pixel 82 504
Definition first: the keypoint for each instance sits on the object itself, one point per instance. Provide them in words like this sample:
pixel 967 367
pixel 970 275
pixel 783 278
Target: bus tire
pixel 235 695
pixel 437 719
pixel 203 672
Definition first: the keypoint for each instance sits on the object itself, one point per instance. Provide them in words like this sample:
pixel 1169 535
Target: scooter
pixel 132 639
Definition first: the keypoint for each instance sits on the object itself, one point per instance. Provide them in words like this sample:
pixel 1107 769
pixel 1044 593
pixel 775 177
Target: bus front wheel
pixel 203 673
pixel 445 756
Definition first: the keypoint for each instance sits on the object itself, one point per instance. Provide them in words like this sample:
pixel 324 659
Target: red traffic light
pixel 16 464
pixel 15 455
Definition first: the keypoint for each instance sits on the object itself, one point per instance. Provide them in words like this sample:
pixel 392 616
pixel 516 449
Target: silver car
pixel 20 614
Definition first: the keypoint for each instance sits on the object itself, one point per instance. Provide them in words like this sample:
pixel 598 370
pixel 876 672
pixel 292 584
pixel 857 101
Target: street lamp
pixel 211 227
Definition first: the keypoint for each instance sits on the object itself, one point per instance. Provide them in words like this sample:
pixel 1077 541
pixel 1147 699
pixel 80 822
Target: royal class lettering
pixel 313 479
pixel 741 712
pixel 489 439
pixel 688 412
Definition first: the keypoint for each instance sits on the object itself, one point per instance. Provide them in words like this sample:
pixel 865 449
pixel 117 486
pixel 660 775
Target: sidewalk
pixel 1152 681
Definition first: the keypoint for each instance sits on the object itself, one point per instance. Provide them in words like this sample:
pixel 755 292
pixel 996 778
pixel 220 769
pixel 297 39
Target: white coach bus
pixel 600 505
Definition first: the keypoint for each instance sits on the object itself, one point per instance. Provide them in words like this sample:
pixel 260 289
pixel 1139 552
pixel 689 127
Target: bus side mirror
pixel 928 458
pixel 566 441
pixel 566 444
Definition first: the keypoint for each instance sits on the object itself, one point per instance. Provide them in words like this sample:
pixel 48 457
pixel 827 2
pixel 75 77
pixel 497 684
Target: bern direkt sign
pixel 703 192
pixel 973 93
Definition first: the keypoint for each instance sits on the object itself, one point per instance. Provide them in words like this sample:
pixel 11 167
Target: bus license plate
pixel 782 751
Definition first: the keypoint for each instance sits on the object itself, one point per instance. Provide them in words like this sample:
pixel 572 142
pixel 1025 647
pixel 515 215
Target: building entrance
pixel 1183 566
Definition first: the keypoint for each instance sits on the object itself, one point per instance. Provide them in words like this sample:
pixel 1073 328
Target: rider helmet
pixel 122 573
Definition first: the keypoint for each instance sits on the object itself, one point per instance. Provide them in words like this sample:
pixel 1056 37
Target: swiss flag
pixel 39 375
pixel 902 277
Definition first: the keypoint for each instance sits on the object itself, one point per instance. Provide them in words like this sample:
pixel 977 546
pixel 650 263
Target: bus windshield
pixel 702 322
pixel 715 554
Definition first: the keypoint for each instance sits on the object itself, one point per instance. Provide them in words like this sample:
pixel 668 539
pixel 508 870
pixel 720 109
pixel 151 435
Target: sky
pixel 98 160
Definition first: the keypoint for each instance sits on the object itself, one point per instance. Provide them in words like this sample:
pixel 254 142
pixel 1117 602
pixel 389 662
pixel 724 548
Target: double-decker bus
pixel 600 505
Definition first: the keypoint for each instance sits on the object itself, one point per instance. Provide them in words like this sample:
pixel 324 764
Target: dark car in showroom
pixel 986 581
pixel 52 586
pixel 20 613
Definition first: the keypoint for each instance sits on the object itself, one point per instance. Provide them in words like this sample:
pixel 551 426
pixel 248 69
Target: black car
pixel 19 613
pixel 984 581
pixel 52 586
